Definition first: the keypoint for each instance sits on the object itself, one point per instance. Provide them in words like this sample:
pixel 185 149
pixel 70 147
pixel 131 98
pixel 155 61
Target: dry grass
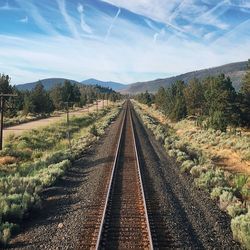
pixel 4 160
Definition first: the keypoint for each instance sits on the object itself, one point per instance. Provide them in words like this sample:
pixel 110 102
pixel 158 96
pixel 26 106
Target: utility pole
pixel 68 125
pixel 2 101
pixel 67 109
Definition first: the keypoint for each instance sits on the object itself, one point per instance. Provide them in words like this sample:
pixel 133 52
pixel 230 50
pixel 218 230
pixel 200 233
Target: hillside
pixel 234 70
pixel 47 83
pixel 109 84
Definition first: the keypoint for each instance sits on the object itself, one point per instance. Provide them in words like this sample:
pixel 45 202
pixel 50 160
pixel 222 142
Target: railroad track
pixel 120 218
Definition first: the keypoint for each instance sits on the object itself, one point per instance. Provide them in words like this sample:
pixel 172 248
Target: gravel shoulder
pixel 192 219
pixel 60 222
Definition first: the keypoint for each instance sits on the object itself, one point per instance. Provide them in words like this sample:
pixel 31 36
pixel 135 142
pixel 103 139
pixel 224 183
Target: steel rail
pixel 111 181
pixel 141 184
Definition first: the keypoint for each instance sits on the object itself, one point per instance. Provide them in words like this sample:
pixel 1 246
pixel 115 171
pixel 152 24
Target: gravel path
pixel 192 219
pixel 58 225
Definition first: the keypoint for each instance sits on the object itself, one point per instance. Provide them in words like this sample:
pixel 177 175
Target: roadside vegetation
pixel 39 103
pixel 34 160
pixel 213 102
pixel 204 127
pixel 228 189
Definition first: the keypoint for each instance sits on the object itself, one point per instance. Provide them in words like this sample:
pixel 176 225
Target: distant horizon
pixel 124 41
pixel 122 82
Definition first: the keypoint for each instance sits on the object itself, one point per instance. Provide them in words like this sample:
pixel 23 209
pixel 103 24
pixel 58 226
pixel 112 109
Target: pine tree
pixel 56 95
pixel 5 87
pixel 40 99
pixel 161 100
pixel 244 97
pixel 70 92
pixel 179 110
pixel 194 96
pixel 220 99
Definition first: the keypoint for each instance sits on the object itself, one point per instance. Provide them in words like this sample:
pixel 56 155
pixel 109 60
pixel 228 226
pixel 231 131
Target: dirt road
pixel 19 129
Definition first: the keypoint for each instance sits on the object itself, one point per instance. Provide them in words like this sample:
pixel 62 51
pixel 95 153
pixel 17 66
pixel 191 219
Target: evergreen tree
pixel 145 98
pixel 28 106
pixel 70 92
pixel 161 100
pixel 179 110
pixel 56 95
pixel 244 98
pixel 5 87
pixel 41 102
pixel 220 99
pixel 194 96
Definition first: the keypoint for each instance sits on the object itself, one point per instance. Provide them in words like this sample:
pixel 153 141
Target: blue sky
pixel 120 40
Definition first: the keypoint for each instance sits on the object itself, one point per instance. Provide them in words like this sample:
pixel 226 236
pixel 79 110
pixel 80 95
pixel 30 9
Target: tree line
pixel 42 101
pixel 213 101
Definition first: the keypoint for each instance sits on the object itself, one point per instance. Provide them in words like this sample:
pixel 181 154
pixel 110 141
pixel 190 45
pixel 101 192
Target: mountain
pixel 234 70
pixel 47 83
pixel 113 85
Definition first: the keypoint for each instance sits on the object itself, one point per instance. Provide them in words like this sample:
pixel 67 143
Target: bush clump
pixel 240 226
pixel 210 179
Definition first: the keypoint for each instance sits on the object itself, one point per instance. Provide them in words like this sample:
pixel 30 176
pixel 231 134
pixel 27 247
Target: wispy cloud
pixel 112 24
pixel 24 20
pixel 40 21
pixel 85 27
pixel 70 23
pixel 6 6
pixel 211 17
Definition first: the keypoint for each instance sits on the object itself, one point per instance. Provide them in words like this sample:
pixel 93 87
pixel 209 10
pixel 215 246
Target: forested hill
pixel 113 85
pixel 47 83
pixel 234 70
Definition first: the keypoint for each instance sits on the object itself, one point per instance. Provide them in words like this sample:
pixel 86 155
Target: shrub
pixel 186 166
pixel 172 153
pixel 236 209
pixel 93 130
pixel 5 232
pixel 226 198
pixel 216 192
pixel 240 182
pixel 240 226
pixel 197 170
pixel 211 179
